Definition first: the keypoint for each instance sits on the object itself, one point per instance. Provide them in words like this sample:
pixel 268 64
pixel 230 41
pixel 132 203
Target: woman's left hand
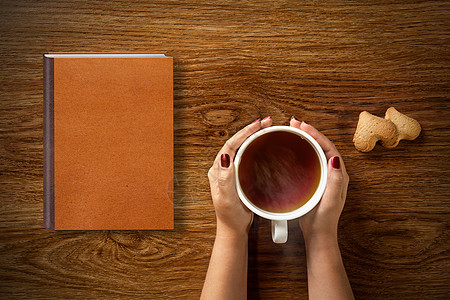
pixel 233 218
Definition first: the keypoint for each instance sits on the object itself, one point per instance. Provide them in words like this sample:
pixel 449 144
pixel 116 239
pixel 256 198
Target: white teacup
pixel 302 163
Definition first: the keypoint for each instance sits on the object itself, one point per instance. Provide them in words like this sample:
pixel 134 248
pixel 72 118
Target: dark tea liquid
pixel 279 172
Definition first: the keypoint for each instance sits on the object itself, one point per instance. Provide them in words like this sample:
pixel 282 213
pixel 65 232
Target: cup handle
pixel 279 231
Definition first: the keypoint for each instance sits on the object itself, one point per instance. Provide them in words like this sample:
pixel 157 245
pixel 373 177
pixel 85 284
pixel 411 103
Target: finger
pixel 226 176
pixel 295 123
pixel 335 182
pixel 213 173
pixel 327 146
pixel 236 140
pixel 266 122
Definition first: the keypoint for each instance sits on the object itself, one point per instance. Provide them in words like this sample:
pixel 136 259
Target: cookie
pixel 371 129
pixel 407 128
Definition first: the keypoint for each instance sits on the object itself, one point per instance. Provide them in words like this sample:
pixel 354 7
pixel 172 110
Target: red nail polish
pixel 267 118
pixel 225 160
pixel 335 162
pixel 257 120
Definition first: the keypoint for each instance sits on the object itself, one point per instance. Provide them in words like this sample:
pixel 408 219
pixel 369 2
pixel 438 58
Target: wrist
pixel 224 231
pixel 321 241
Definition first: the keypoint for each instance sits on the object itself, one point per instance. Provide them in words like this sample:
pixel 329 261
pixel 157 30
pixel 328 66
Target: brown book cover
pixel 108 141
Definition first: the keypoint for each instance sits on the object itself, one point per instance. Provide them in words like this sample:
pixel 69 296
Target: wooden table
pixel 234 62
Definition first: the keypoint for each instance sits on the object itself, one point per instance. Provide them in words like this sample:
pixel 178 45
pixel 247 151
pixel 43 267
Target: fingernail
pixel 257 120
pixel 267 118
pixel 225 160
pixel 293 118
pixel 335 162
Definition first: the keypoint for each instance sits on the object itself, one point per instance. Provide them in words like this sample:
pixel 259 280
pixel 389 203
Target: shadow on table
pixel 276 270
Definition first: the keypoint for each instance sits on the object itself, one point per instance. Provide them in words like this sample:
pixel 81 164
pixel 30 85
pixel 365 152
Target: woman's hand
pixel 227 272
pixel 233 218
pixel 322 221
pixel 327 278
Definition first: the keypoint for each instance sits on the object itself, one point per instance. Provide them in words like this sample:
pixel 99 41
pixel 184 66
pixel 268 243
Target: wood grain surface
pixel 234 62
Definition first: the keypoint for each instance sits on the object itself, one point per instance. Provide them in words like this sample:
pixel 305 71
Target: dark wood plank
pixel 235 61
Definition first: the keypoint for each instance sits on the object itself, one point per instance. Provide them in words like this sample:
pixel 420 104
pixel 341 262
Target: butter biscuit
pixel 408 128
pixel 371 129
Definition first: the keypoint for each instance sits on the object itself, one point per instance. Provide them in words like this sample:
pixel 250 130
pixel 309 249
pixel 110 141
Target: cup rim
pixel 311 203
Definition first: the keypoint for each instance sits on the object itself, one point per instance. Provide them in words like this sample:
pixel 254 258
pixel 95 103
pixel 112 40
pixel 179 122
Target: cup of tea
pixel 281 174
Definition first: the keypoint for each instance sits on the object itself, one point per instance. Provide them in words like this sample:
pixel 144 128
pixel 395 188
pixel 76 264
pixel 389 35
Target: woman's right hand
pixel 322 221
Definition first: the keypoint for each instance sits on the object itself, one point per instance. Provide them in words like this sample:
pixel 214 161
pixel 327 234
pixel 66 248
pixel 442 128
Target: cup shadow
pixel 276 269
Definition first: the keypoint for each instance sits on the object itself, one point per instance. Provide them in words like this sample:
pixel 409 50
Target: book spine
pixel 49 149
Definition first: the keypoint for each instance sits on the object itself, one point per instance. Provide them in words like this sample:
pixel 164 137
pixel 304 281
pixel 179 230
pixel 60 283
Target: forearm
pixel 327 278
pixel 227 272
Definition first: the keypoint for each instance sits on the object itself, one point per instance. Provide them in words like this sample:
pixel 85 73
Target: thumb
pixel 226 173
pixel 335 181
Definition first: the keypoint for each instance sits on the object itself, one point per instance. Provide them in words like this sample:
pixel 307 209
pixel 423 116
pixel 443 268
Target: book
pixel 108 141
